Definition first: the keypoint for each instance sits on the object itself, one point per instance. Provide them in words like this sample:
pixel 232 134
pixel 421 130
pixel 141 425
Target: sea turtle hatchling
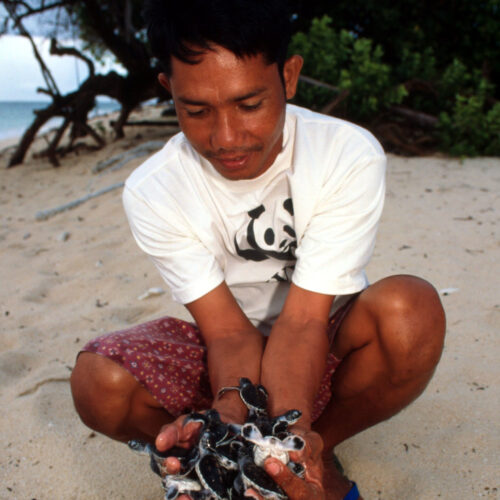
pixel 214 432
pixel 271 446
pixel 229 458
pixel 156 457
pixel 281 423
pixel 175 485
pixel 253 476
pixel 214 477
pixel 254 396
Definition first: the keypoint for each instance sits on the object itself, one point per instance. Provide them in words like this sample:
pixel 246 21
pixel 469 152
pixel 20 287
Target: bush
pixel 349 63
pixel 462 98
pixel 471 129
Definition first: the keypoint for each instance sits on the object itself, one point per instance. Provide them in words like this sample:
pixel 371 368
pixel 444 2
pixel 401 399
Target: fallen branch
pixel 392 136
pixel 151 123
pixel 420 118
pixel 46 214
pixel 318 83
pixel 123 158
pixel 332 105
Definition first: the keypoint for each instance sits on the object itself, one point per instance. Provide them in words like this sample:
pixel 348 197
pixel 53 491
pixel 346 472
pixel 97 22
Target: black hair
pixel 186 29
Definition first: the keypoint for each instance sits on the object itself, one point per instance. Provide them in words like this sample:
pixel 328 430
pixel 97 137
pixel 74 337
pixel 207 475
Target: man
pixel 261 217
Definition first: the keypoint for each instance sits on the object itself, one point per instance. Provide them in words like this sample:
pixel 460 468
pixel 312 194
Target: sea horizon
pixel 17 115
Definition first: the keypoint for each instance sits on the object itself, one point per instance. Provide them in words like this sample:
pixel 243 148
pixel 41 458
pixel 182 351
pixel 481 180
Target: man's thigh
pixel 166 356
pixel 399 312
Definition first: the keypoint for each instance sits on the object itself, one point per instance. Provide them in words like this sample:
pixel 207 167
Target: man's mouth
pixel 232 162
pixel 233 159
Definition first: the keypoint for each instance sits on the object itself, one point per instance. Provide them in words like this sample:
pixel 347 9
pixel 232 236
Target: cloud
pixel 21 75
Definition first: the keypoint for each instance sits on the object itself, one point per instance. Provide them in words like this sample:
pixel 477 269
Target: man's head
pixel 184 29
pixel 226 68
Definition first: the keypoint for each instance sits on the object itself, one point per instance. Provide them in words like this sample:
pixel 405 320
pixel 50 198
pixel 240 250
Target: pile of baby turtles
pixel 229 458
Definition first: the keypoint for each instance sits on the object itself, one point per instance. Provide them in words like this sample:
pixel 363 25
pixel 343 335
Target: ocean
pixel 16 116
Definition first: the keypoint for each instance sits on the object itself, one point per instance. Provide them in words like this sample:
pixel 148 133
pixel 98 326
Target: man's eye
pixel 251 107
pixel 195 112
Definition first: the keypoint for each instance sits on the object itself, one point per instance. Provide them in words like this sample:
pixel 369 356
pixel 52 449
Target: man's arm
pixel 295 356
pixel 234 347
pixel 234 350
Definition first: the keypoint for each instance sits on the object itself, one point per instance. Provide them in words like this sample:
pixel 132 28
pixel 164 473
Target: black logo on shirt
pixel 266 242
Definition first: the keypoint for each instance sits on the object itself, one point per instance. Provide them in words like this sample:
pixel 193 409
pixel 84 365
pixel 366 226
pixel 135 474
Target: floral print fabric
pixel 168 357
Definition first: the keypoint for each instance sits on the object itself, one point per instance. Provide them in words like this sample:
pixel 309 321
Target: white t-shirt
pixel 311 218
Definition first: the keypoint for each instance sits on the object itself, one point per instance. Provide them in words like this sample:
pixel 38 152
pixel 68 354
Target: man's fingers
pixel 189 430
pixel 168 437
pixel 177 434
pixel 295 487
pixel 251 493
pixel 313 448
pixel 172 465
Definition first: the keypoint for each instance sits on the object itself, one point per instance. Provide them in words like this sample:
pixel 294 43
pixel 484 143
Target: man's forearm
pixel 229 358
pixel 293 366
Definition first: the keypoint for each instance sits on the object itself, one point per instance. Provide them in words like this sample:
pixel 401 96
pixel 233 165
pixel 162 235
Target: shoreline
pixel 144 111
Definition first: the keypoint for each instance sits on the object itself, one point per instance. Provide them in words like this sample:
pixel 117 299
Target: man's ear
pixel 164 81
pixel 291 72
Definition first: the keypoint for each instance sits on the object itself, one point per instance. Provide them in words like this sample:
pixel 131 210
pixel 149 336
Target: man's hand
pixel 177 434
pixel 186 435
pixel 311 486
pixel 295 487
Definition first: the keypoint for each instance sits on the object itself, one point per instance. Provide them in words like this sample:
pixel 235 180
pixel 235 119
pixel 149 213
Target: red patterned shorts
pixel 168 357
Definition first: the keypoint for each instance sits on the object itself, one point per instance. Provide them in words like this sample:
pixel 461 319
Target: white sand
pixel 440 222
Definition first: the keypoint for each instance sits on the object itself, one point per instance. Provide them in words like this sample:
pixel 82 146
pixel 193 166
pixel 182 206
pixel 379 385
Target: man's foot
pixel 336 485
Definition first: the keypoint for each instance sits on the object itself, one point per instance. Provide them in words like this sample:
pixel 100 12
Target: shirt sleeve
pixel 339 239
pixel 189 269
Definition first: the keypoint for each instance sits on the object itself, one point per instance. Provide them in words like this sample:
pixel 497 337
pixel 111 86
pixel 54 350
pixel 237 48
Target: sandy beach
pixel 79 273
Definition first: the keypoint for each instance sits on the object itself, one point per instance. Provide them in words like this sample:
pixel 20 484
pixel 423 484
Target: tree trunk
pixel 130 91
pixel 42 117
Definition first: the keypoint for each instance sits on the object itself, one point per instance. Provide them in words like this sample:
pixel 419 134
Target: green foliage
pixel 348 63
pixel 463 29
pixel 457 79
pixel 469 125
pixel 368 81
pixel 460 94
pixel 471 129
pixel 324 52
pixel 416 64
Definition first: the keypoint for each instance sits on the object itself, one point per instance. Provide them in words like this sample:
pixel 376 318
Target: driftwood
pixel 412 131
pixel 397 139
pixel 421 119
pixel 46 214
pixel 151 123
pixel 332 105
pixel 319 83
pixel 123 158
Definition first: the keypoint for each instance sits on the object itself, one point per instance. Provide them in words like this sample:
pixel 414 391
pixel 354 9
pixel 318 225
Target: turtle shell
pixel 213 476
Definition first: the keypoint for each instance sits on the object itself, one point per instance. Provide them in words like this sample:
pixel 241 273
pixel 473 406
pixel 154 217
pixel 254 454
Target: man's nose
pixel 227 132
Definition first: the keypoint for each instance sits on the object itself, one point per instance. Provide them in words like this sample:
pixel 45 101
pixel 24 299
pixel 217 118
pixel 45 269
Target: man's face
pixel 232 110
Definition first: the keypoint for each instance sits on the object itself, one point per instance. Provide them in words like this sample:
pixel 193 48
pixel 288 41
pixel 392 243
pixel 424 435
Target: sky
pixel 20 73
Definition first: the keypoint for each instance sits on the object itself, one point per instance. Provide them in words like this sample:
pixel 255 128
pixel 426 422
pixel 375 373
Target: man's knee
pixel 101 391
pixel 410 324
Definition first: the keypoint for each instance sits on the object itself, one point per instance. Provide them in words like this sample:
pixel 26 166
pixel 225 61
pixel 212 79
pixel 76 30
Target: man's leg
pixel 166 355
pixel 390 343
pixel 111 401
